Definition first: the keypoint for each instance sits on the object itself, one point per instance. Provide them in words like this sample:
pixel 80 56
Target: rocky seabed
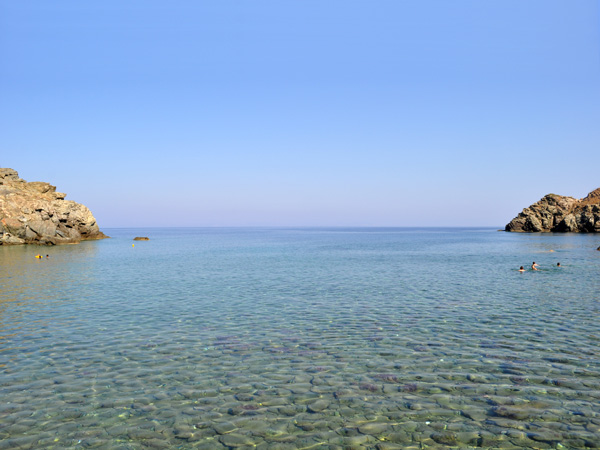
pixel 264 352
pixel 296 395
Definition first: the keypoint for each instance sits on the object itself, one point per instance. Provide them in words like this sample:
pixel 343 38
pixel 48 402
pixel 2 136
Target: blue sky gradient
pixel 302 113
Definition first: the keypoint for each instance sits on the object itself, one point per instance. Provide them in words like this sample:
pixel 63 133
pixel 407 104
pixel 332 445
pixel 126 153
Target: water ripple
pixel 277 339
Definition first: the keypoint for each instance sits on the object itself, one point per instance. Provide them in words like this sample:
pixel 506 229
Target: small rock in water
pixel 474 378
pixel 468 437
pixel 236 440
pixel 368 387
pixel 244 397
pixel 157 443
pixel 514 412
pixel 445 438
pixel 387 377
pixel 374 428
pixel 409 387
pixel 477 415
pixel 399 437
pixel 318 406
pixel 415 406
pixel 545 436
pixel 288 410
pixel 224 427
pixel 141 238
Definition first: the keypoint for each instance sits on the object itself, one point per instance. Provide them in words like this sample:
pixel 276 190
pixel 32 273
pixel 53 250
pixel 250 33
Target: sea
pixel 302 338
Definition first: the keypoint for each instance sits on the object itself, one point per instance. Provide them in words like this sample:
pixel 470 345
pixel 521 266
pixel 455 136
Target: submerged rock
pixel 445 438
pixel 557 213
pixel 34 213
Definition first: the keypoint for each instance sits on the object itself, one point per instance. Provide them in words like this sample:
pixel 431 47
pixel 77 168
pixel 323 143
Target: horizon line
pixel 311 226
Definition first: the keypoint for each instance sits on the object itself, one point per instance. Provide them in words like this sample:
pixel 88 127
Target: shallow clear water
pixel 301 338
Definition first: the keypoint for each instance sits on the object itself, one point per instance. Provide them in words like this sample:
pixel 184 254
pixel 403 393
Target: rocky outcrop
pixel 34 213
pixel 560 214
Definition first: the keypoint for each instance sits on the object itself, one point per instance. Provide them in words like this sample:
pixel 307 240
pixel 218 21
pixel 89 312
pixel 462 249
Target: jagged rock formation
pixel 34 213
pixel 560 214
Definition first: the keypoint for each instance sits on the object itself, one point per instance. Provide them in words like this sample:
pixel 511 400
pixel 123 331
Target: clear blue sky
pixel 305 112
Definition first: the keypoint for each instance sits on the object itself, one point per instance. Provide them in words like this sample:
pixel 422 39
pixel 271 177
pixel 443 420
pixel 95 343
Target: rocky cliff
pixel 34 213
pixel 560 214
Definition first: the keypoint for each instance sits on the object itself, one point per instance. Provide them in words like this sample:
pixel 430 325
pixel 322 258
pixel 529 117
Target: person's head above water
pixel 557 264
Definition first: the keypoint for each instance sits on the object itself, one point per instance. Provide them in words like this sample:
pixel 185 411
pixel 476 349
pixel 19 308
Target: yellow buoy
pixel 133 245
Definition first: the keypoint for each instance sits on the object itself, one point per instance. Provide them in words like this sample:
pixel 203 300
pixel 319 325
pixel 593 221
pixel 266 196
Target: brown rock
pixel 141 238
pixel 7 174
pixel 34 213
pixel 556 213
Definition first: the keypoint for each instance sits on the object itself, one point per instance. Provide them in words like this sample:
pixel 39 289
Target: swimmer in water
pixel 558 265
pixel 534 266
pixel 522 269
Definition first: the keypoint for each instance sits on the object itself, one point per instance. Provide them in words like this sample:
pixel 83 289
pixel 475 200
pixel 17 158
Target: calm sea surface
pixel 301 339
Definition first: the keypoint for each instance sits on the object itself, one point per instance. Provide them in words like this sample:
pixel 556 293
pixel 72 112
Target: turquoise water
pixel 301 338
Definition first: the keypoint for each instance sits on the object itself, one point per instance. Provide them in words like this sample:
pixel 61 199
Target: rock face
pixel 34 213
pixel 560 214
